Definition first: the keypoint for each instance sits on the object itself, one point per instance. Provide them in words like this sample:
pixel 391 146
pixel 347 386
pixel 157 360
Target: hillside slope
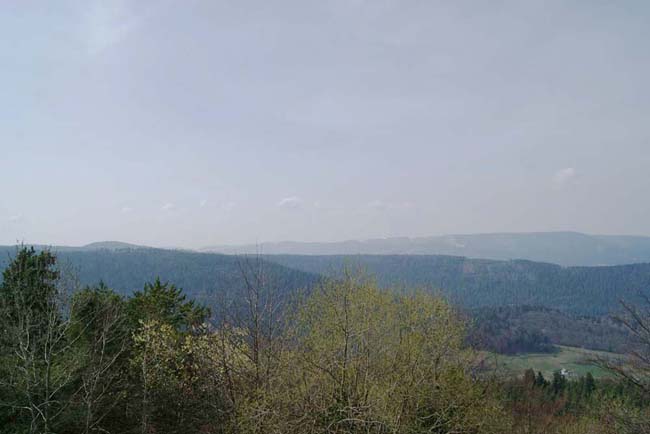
pixel 202 276
pixel 482 282
pixel 471 283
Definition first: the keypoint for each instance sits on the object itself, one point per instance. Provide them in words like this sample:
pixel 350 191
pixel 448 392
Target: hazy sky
pixel 195 123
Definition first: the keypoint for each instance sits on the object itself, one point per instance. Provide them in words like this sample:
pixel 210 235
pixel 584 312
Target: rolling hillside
pixel 471 283
pixel 202 276
pixel 481 282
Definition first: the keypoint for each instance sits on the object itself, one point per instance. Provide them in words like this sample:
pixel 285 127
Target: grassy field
pixel 577 361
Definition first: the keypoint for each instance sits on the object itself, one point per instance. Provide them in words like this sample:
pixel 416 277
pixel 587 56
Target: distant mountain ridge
pixel 563 248
pixel 111 245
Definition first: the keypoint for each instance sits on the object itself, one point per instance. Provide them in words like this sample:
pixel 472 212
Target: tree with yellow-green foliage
pixel 365 360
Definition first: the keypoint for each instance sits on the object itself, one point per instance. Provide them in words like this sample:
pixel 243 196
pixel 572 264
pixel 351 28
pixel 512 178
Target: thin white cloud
pixel 126 209
pixel 167 207
pixel 203 203
pixel 563 177
pixel 291 202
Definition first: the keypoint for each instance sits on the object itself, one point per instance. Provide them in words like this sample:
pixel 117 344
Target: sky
pixel 196 123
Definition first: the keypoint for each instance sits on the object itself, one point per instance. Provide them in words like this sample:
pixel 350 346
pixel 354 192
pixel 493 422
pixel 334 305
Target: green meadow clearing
pixel 577 361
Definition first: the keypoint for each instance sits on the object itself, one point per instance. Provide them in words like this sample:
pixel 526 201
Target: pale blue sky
pixel 197 123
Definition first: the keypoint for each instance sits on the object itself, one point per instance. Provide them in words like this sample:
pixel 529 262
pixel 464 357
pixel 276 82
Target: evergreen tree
pixel 165 303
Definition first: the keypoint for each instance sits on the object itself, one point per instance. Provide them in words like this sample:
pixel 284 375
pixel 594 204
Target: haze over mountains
pixel 98 245
pixel 563 248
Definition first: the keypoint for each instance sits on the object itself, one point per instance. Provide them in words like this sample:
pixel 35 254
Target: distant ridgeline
pixel 564 248
pixel 471 283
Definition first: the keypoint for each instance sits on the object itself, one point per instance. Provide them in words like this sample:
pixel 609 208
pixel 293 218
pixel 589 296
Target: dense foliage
pixel 348 358
pixel 474 283
pixel 526 329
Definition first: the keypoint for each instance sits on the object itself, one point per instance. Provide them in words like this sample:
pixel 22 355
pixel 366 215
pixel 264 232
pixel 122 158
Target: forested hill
pixel 480 282
pixel 202 276
pixel 470 283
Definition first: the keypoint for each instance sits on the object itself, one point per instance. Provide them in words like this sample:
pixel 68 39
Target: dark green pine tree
pixel 166 303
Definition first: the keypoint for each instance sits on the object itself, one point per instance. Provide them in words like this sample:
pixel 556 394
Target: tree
pixel 589 385
pixel 181 378
pixel 38 363
pixel 170 340
pixel 364 360
pixel 165 303
pixel 155 358
pixel 634 370
pixel 100 324
pixel 253 335
pixel 558 383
